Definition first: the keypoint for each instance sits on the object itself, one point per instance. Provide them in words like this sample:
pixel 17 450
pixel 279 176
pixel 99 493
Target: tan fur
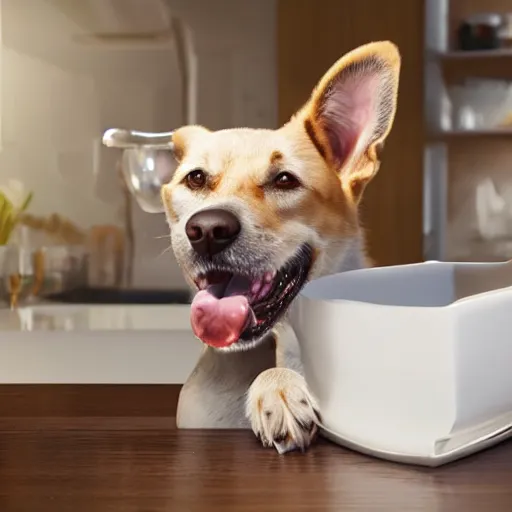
pixel 240 164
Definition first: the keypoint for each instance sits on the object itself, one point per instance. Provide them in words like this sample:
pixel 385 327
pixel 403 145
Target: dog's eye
pixel 196 179
pixel 286 181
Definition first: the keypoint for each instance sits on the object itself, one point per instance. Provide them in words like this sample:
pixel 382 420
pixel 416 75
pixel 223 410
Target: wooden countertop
pixel 152 467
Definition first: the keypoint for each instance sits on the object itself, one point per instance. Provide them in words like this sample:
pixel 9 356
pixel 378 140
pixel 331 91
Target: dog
pixel 254 214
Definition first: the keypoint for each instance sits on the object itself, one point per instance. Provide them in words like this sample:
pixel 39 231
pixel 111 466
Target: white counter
pixel 101 344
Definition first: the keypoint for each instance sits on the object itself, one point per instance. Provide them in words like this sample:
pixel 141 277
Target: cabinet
pixel 311 36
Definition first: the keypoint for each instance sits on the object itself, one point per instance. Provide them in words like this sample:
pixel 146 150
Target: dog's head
pixel 254 214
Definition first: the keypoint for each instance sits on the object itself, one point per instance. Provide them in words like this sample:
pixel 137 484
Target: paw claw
pixel 283 448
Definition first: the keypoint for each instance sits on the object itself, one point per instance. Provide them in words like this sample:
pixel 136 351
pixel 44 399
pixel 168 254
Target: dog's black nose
pixel 211 231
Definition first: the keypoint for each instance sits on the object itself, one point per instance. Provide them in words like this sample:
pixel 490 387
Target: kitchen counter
pixel 157 468
pixel 97 344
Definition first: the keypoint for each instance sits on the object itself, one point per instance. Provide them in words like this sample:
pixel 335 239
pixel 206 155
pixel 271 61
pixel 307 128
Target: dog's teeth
pixel 256 287
pixel 264 291
pixel 268 277
pixel 202 283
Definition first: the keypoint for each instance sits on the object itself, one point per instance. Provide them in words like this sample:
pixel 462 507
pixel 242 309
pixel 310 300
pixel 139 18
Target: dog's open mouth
pixel 231 307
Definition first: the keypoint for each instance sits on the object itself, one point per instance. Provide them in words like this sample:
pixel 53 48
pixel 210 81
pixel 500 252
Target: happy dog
pixel 254 214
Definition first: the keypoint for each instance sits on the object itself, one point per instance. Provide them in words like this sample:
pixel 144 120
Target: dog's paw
pixel 282 411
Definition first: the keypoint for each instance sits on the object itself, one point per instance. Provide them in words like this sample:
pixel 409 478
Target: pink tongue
pixel 219 322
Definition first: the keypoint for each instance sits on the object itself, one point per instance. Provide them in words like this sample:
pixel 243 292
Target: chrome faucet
pixel 147 161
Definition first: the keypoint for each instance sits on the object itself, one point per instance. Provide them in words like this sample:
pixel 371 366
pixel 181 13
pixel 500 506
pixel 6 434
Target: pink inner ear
pixel 349 113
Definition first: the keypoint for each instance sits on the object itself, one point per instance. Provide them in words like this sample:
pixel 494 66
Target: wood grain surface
pixel 144 469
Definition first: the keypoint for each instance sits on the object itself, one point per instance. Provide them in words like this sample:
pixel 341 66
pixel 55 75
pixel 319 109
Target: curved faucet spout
pixel 125 139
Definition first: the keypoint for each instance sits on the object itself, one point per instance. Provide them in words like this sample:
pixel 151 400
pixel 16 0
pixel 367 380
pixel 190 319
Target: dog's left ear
pixel 351 110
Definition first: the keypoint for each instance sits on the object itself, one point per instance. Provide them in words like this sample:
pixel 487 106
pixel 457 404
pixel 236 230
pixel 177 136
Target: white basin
pixel 411 363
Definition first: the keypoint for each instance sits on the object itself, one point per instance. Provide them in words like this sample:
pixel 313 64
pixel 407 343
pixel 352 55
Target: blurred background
pixel 70 69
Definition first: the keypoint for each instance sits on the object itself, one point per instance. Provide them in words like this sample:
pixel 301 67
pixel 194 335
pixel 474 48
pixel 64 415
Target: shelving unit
pixel 444 146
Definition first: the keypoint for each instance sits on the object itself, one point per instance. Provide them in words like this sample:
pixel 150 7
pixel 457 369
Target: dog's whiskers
pixel 167 249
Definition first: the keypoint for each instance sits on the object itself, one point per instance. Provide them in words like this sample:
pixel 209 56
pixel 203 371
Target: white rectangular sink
pixel 411 363
pixel 99 344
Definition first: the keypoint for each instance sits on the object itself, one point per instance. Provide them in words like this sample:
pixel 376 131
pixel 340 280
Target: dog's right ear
pixel 352 108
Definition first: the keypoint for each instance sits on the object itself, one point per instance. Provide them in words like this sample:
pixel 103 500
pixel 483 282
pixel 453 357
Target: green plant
pixel 14 200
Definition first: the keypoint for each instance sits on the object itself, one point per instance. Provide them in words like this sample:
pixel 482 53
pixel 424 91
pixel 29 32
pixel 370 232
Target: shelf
pixel 483 251
pixel 491 132
pixel 475 54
